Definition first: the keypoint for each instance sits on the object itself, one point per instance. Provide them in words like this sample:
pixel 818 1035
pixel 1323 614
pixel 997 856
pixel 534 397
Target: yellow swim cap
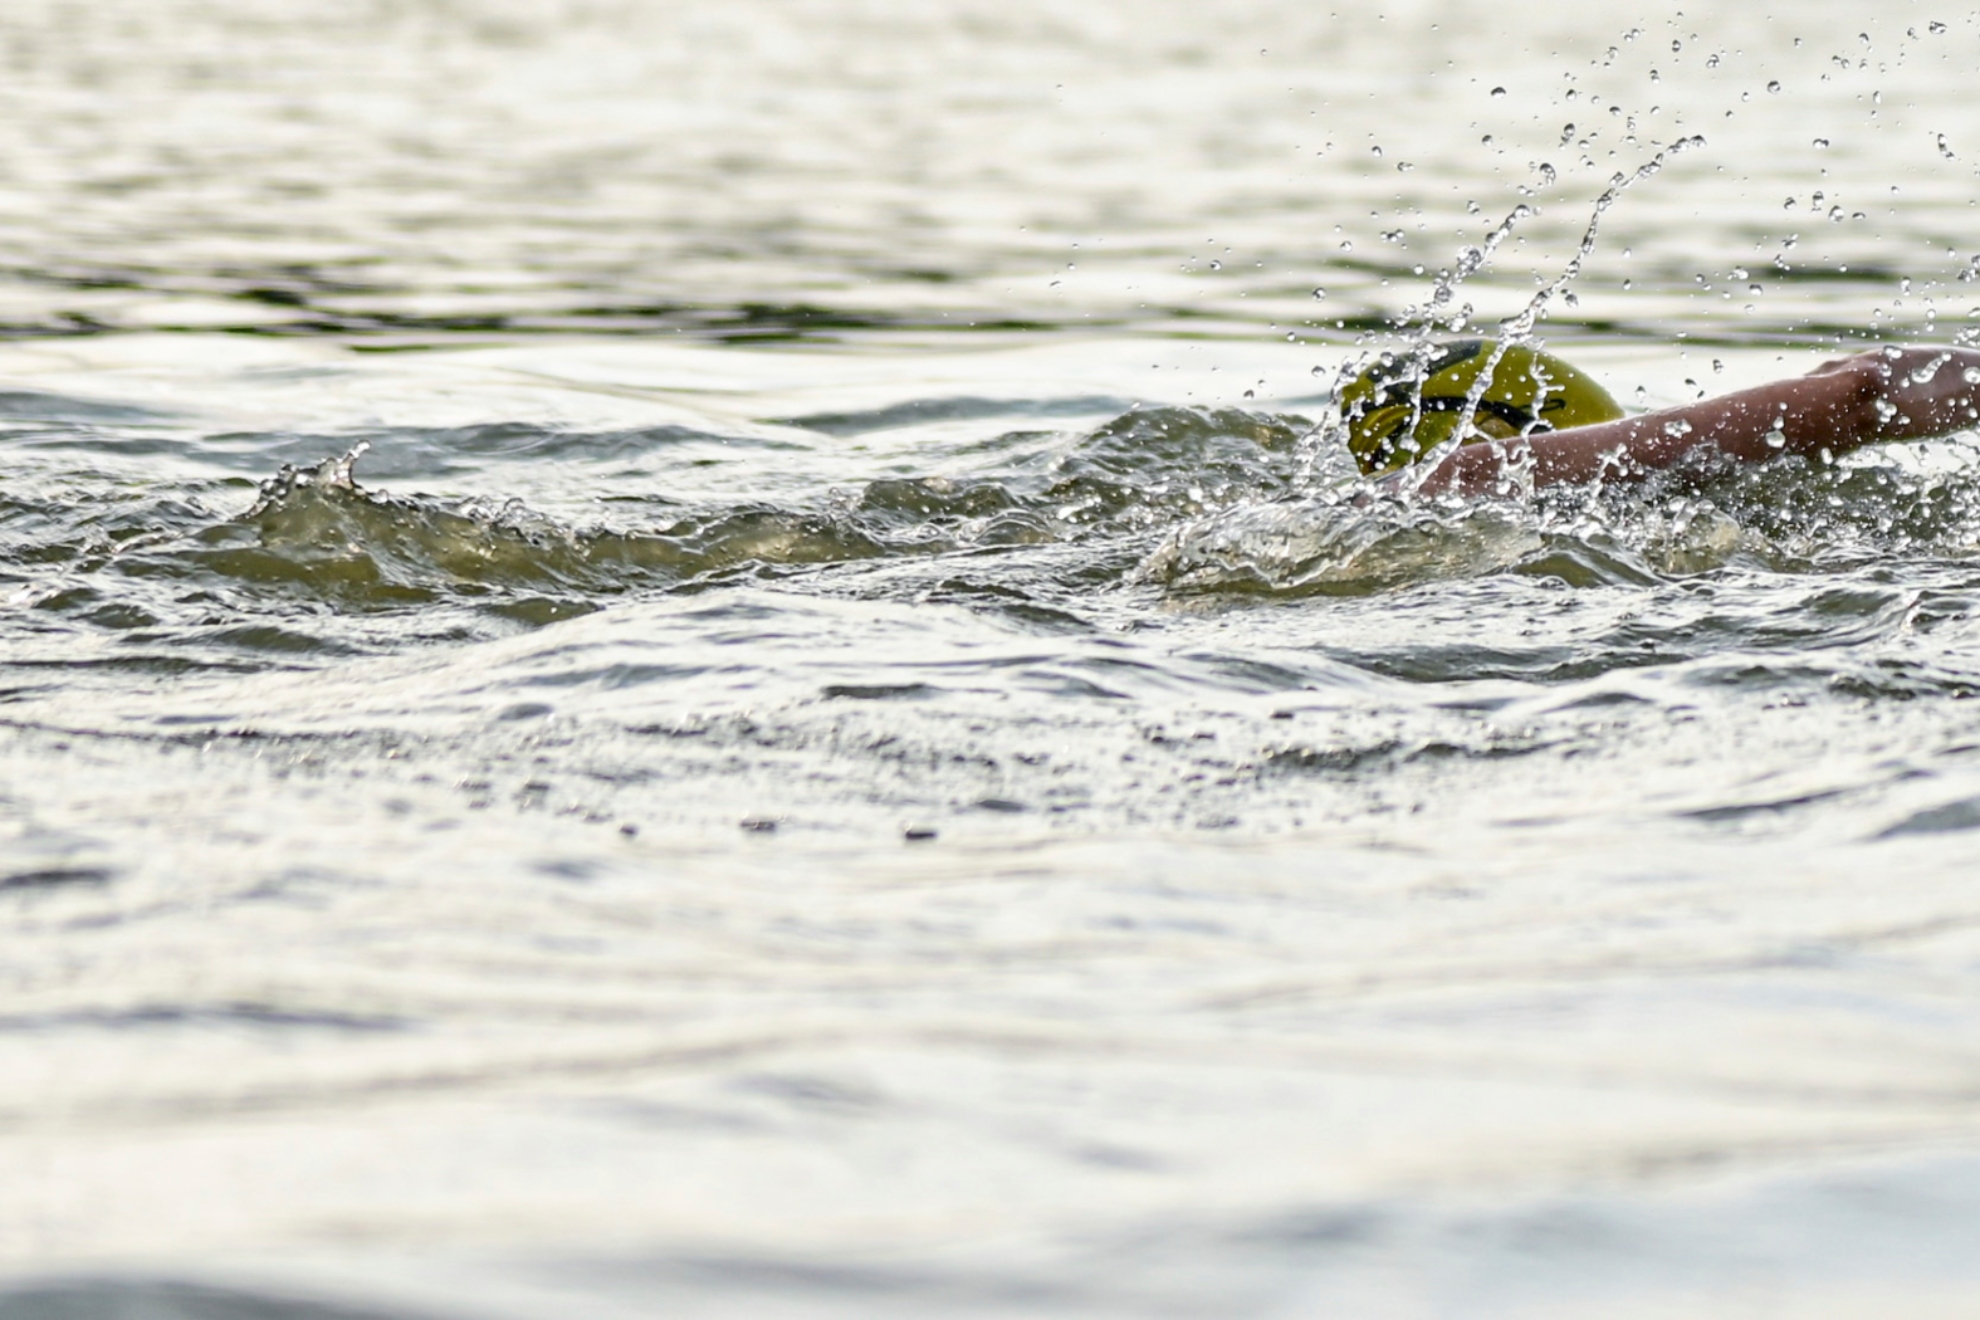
pixel 1530 393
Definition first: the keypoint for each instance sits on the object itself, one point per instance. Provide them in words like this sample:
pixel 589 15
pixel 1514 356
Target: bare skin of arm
pixel 1885 394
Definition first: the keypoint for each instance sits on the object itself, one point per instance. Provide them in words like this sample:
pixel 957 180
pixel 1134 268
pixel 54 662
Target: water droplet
pixel 1498 91
pixel 1821 144
pixel 1375 150
pixel 1776 439
pixel 1774 85
pixel 1320 295
pixel 1216 265
pixel 1936 29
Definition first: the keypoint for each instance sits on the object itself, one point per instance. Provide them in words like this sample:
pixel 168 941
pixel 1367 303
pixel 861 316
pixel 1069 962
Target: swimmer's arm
pixel 1887 394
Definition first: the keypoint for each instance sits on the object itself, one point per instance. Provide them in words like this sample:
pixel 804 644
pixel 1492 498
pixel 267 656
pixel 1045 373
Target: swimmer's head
pixel 1530 393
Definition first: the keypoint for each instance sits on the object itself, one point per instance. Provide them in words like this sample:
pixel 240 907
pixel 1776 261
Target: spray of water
pixel 1519 328
pixel 1442 313
pixel 1439 314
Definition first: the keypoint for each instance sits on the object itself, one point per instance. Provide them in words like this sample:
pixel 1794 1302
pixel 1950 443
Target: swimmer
pixel 1545 416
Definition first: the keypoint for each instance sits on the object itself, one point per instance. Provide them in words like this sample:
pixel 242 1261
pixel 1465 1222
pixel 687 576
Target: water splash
pixel 1442 313
pixel 1793 516
pixel 1519 328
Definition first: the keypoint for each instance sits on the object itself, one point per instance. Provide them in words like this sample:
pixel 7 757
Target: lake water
pixel 700 659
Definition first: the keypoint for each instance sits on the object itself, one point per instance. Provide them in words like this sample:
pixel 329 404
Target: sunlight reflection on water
pixel 833 755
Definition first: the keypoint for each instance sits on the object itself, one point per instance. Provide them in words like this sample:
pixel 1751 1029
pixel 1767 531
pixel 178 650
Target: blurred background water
pixel 697 659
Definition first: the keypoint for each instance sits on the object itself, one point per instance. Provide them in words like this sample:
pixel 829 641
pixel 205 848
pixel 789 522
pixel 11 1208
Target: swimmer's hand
pixel 1889 393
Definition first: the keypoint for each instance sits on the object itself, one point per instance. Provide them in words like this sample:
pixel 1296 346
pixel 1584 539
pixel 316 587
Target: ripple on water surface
pixel 743 684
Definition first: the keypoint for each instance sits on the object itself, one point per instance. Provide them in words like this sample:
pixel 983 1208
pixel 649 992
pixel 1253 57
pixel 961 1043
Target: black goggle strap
pixel 1511 414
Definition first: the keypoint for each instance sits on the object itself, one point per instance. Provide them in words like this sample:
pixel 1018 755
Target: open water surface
pixel 699 659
